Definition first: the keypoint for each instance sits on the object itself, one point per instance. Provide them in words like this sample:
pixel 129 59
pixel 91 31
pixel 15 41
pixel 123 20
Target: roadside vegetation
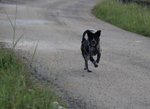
pixel 17 90
pixel 130 16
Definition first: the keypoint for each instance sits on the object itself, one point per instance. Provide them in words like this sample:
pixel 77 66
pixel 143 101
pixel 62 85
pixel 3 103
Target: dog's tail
pixel 83 36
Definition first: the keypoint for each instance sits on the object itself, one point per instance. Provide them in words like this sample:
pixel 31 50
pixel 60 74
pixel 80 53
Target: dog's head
pixel 94 38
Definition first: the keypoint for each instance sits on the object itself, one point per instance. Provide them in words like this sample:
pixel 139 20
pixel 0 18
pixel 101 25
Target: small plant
pixel 15 40
pixel 34 52
pixel 14 26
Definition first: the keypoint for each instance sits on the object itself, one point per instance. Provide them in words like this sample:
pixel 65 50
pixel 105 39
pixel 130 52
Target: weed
pixel 14 26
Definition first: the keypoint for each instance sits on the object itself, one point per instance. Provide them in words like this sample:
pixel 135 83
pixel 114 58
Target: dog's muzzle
pixel 93 43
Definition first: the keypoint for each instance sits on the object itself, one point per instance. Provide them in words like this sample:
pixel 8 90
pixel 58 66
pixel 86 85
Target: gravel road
pixel 122 80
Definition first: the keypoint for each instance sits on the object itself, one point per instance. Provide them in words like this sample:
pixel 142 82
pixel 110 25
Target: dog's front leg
pixel 93 61
pixel 98 57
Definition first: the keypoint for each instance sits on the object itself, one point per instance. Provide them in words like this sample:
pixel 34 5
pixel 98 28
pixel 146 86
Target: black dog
pixel 91 47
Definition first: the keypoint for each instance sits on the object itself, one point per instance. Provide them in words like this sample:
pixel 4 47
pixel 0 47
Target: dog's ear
pixel 90 34
pixel 87 34
pixel 98 33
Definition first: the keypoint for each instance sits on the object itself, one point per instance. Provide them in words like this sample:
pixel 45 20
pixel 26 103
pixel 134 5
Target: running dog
pixel 91 47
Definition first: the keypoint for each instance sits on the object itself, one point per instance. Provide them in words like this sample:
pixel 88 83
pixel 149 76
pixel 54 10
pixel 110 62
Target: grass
pixel 131 17
pixel 17 91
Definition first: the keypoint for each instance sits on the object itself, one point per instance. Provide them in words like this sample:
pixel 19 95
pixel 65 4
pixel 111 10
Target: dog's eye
pixel 96 37
pixel 90 38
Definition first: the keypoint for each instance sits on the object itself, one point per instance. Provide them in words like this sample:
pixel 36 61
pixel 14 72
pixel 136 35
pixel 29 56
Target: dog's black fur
pixel 91 47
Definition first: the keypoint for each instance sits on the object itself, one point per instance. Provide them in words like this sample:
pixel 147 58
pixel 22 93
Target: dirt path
pixel 122 80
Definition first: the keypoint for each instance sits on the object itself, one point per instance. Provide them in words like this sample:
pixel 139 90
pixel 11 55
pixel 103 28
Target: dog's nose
pixel 93 42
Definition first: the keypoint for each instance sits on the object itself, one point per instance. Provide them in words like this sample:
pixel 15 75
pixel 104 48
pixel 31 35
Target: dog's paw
pixel 89 71
pixel 85 68
pixel 95 65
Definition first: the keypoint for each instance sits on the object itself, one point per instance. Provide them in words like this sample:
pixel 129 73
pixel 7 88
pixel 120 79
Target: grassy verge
pixel 131 17
pixel 17 90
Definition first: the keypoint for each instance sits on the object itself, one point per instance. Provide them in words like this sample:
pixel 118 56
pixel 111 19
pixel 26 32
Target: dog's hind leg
pixel 93 61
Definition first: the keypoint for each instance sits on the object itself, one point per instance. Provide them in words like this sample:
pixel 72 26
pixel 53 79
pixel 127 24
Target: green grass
pixel 131 17
pixel 17 91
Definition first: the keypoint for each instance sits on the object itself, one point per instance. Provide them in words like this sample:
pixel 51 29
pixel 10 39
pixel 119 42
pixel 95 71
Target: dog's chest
pixel 93 51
